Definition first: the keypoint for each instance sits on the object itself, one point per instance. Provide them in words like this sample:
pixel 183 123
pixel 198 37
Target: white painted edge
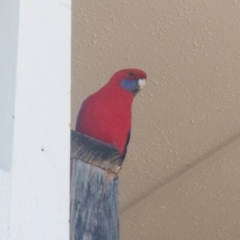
pixel 4 203
pixel 39 205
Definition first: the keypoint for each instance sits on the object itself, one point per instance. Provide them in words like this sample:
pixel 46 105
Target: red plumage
pixel 106 114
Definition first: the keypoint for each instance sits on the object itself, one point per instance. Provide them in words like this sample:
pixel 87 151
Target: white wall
pixel 8 60
pixel 38 140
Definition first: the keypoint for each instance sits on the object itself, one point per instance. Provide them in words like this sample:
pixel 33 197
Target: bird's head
pixel 132 80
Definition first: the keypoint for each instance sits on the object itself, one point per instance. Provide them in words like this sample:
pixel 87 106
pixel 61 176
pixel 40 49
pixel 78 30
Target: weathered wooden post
pixel 94 189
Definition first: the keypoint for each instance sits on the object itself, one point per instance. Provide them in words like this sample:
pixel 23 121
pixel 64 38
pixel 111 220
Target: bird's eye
pixel 131 74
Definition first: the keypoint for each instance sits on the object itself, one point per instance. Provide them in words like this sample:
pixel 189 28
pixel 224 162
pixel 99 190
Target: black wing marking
pixel 78 116
pixel 126 145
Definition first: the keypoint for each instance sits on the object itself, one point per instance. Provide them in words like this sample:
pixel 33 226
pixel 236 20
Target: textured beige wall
pixel 202 204
pixel 189 108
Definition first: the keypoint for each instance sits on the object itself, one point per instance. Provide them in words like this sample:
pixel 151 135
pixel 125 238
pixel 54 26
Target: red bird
pixel 106 115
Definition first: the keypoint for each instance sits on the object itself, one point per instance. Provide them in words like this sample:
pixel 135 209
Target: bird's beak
pixel 141 83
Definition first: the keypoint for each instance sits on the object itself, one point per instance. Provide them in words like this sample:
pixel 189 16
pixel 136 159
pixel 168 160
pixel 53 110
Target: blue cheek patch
pixel 130 85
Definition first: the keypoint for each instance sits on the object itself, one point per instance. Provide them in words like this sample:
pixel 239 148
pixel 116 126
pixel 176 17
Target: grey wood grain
pixel 94 189
pixel 94 203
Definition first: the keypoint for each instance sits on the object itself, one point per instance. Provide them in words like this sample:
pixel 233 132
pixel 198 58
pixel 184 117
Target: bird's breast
pixel 106 121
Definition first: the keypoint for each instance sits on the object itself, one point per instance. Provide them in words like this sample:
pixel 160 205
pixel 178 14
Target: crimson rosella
pixel 106 114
